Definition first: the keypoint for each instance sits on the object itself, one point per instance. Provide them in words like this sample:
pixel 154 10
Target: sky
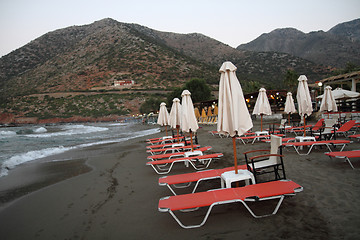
pixel 232 22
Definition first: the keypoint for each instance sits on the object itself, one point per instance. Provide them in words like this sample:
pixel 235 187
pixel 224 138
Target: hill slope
pixel 95 55
pixel 333 48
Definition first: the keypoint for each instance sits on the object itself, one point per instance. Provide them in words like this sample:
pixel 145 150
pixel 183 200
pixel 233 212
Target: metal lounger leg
pixel 348 160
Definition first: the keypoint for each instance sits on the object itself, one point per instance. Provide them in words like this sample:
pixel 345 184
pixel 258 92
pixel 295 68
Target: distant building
pixel 123 83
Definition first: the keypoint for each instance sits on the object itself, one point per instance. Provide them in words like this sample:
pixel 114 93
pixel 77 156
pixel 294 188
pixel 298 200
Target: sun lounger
pixel 250 193
pixel 298 145
pixel 356 136
pixel 283 140
pixel 185 180
pixel 254 138
pixel 165 166
pixel 168 139
pixel 166 145
pixel 173 148
pixel 345 129
pixel 176 154
pixel 346 155
pixel 216 133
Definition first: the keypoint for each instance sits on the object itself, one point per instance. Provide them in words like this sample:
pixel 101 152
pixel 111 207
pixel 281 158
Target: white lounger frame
pixel 251 199
pixel 161 170
pixel 297 148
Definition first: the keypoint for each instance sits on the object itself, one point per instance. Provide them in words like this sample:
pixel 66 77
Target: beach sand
pixel 107 192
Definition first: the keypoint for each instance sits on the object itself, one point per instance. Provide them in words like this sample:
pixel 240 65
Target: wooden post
pixel 235 157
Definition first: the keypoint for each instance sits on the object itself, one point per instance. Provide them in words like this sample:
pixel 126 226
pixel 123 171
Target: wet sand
pixel 109 193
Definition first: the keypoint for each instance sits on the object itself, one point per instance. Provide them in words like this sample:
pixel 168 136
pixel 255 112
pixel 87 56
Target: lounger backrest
pixel 275 143
pixel 329 123
pixel 318 125
pixel 347 126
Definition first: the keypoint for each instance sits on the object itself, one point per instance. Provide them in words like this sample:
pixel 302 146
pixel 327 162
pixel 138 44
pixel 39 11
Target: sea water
pixel 27 143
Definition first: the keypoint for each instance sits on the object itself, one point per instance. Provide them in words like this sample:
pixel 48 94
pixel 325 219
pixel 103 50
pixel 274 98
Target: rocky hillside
pixel 90 58
pixel 84 57
pixel 265 68
pixel 336 47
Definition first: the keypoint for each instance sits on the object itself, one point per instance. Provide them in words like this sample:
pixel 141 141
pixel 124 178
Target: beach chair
pixel 197 162
pixel 250 193
pixel 187 179
pixel 288 139
pixel 345 129
pixel 176 154
pixel 167 139
pixel 356 136
pixel 345 155
pixel 267 163
pixel 308 128
pixel 325 132
pixel 255 138
pixel 176 147
pixel 311 144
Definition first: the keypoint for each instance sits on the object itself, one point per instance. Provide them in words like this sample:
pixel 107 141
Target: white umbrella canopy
pixel 328 103
pixel 164 117
pixel 262 105
pixel 340 93
pixel 175 115
pixel 188 119
pixel 233 114
pixel 289 105
pixel 303 98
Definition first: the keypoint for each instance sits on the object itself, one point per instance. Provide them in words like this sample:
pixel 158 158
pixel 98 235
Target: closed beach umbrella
pixel 164 117
pixel 304 99
pixel 262 105
pixel 175 115
pixel 233 114
pixel 289 105
pixel 197 113
pixel 328 103
pixel 209 113
pixel 188 119
pixel 216 110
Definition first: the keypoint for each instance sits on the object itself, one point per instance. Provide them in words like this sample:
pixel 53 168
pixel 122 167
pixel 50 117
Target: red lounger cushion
pixel 203 199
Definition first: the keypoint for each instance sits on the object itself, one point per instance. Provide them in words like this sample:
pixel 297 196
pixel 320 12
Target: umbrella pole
pixel 261 122
pixel 288 120
pixel 235 157
pixel 191 140
pixel 166 130
pixel 304 127
pixel 177 130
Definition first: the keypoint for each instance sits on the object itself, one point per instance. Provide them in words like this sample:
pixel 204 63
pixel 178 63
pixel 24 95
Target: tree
pixel 198 88
pixel 290 80
pixel 150 105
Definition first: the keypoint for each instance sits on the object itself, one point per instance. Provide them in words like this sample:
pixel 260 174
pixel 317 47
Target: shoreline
pixel 118 198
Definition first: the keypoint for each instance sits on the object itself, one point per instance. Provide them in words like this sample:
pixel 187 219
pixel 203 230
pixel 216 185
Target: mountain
pixel 87 59
pixel 267 69
pixel 336 47
pixel 83 57
pixel 349 30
